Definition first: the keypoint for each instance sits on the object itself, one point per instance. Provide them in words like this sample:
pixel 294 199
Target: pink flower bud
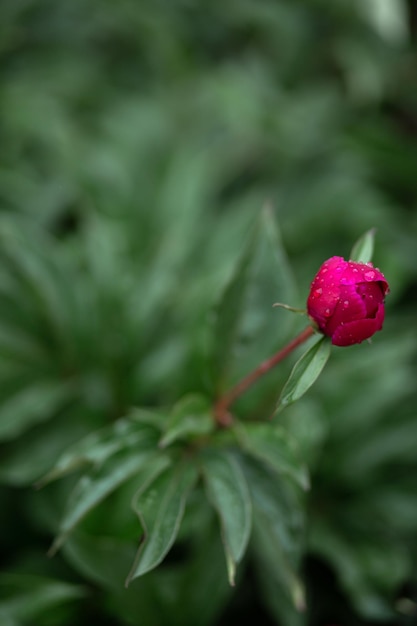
pixel 346 300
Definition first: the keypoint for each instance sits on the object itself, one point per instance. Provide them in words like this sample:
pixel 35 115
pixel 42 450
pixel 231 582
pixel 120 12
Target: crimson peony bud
pixel 346 300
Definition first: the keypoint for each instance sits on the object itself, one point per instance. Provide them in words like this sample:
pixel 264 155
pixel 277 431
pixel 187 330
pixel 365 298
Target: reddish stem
pixel 221 409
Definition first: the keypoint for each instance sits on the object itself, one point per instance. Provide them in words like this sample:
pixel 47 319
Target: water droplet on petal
pixel 327 312
pixel 324 270
pixel 317 292
pixel 345 304
pixel 355 269
pixel 369 275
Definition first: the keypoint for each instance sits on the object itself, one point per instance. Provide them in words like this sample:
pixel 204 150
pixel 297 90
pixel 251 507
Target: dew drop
pixel 317 292
pixel 324 270
pixel 369 275
pixel 355 269
pixel 345 304
pixel 327 312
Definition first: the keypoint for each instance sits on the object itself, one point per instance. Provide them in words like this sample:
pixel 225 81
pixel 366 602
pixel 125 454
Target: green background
pixel 140 142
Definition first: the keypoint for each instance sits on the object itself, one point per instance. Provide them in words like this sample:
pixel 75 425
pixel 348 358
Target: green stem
pixel 221 409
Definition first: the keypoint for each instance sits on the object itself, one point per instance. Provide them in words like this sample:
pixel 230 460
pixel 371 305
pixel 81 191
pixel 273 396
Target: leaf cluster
pixel 142 144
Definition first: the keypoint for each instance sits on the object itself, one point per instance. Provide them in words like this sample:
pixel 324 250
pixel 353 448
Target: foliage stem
pixel 221 409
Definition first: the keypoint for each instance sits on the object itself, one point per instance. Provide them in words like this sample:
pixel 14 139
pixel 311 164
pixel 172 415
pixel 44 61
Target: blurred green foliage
pixel 140 142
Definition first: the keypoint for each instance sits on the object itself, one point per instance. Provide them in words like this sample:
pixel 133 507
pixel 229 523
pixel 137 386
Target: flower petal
pixel 350 307
pixel 324 291
pixel 358 330
pixel 363 273
pixel 372 295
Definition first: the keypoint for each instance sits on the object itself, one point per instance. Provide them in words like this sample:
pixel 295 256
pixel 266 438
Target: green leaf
pixel 204 576
pixel 228 315
pixel 363 249
pixel 40 279
pixel 278 528
pixel 26 597
pixel 33 404
pixel 190 418
pixel 270 279
pixel 160 505
pixel 29 457
pixel 98 484
pixel 101 558
pixel 228 492
pixel 98 446
pixel 273 446
pixel 368 567
pixel 305 372
pixel 247 326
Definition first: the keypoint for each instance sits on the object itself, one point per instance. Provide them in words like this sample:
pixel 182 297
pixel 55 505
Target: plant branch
pixel 221 409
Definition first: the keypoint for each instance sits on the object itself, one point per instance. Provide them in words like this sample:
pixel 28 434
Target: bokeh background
pixel 139 142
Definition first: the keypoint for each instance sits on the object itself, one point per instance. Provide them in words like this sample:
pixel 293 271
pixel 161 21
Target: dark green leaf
pixel 247 326
pixel 190 418
pixel 272 445
pixel 95 486
pixel 33 404
pixel 28 458
pixel 363 249
pixel 160 505
pixel 102 559
pixel 229 313
pixel 98 446
pixel 25 597
pixel 228 492
pixel 305 372
pixel 278 528
pixel 270 279
pixel 204 576
pixel 367 567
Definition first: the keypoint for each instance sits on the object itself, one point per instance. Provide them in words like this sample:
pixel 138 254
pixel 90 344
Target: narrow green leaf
pixel 160 505
pixel 363 249
pixel 305 372
pixel 31 405
pixel 98 446
pixel 101 558
pixel 149 418
pixel 272 445
pixel 246 319
pixel 228 492
pixel 228 314
pixel 26 597
pixel 367 565
pixel 278 529
pixel 29 457
pixel 17 344
pixel 190 418
pixel 39 277
pixel 98 484
pixel 270 280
